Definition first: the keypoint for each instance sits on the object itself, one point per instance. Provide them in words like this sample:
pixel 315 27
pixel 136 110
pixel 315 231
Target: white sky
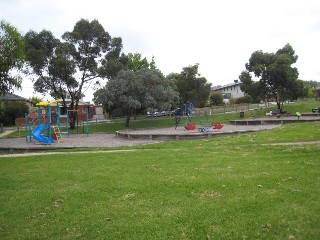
pixel 219 35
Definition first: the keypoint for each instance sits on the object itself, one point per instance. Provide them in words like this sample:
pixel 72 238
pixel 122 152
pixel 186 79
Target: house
pixel 231 90
pixel 82 109
pixel 10 97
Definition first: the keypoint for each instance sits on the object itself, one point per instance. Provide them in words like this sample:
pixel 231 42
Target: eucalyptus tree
pixel 277 78
pixel 191 87
pixel 12 57
pixel 145 81
pixel 132 90
pixel 70 66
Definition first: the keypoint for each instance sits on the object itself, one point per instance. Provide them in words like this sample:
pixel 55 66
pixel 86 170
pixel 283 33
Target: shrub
pixel 245 99
pixel 232 100
pixel 216 99
pixel 11 111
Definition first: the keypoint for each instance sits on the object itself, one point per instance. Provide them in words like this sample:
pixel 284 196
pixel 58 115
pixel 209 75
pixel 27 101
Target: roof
pixel 13 97
pixel 225 86
pixel 46 103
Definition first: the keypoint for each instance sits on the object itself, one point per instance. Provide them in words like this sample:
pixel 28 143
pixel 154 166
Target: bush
pixel 216 99
pixel 245 99
pixel 12 110
pixel 232 100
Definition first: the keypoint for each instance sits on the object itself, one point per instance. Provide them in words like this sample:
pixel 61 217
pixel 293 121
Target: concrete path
pixel 6 133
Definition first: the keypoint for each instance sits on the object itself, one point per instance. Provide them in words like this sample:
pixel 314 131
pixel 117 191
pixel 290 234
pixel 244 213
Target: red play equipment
pixel 190 126
pixel 217 125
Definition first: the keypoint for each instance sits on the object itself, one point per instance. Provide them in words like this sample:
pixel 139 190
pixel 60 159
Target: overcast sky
pixel 218 35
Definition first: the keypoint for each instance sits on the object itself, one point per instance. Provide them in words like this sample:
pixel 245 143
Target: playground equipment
pixel 43 119
pixel 187 109
pixel 36 134
pixel 50 120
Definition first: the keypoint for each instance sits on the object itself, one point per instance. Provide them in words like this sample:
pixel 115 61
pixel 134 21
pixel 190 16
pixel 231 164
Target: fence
pixel 229 108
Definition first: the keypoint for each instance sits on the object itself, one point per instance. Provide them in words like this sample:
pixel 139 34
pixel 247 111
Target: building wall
pixel 99 110
pixel 230 91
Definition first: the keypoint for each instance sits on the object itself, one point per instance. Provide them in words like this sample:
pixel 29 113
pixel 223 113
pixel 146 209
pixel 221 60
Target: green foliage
pixel 277 78
pixel 191 87
pixel 35 100
pixel 216 99
pixel 11 57
pixel 99 97
pixel 232 100
pixel 85 55
pixel 244 99
pixel 132 90
pixel 255 89
pixel 222 188
pixel 316 93
pixel 12 110
pixel 136 62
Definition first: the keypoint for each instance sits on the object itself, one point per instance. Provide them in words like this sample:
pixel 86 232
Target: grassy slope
pixel 223 188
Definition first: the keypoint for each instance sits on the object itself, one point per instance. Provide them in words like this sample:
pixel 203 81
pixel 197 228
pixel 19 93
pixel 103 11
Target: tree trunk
pixel 278 105
pixel 128 120
pixel 73 118
pixel 72 114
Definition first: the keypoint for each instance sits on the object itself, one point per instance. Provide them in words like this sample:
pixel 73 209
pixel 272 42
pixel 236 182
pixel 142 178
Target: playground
pixel 132 137
pixel 48 129
pixel 47 125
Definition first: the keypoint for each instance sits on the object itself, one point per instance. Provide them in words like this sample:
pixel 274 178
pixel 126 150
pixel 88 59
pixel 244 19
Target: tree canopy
pixel 11 57
pixel 136 62
pixel 68 67
pixel 277 78
pixel 132 90
pixel 216 99
pixel 191 86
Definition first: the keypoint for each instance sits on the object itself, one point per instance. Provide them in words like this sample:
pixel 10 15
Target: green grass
pixel 222 188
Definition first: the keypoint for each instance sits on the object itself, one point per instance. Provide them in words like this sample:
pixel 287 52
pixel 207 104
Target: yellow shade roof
pixel 46 103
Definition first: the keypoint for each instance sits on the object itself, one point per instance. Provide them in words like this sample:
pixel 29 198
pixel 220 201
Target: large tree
pixel 134 62
pixel 255 89
pixel 11 57
pixel 191 87
pixel 71 65
pixel 132 90
pixel 277 78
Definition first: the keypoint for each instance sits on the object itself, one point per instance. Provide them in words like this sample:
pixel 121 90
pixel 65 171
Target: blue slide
pixel 36 134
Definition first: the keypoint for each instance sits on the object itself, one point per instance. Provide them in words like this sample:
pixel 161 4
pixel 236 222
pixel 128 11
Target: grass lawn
pixel 222 188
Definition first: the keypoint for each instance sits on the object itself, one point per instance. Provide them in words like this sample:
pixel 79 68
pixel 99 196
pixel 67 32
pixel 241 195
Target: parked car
pixel 153 113
pixel 157 114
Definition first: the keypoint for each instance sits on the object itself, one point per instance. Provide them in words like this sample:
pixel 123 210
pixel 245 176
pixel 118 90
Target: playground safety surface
pixel 150 136
pixel 128 138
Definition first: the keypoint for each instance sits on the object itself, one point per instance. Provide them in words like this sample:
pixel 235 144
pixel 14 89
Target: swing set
pixel 187 110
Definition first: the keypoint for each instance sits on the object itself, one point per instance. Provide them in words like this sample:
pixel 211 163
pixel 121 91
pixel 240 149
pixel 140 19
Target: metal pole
pixel 39 115
pixel 67 123
pixel 26 124
pixel 87 119
pixel 49 120
pixel 58 114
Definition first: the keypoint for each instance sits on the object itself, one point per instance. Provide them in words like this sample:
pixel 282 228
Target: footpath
pixel 6 132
